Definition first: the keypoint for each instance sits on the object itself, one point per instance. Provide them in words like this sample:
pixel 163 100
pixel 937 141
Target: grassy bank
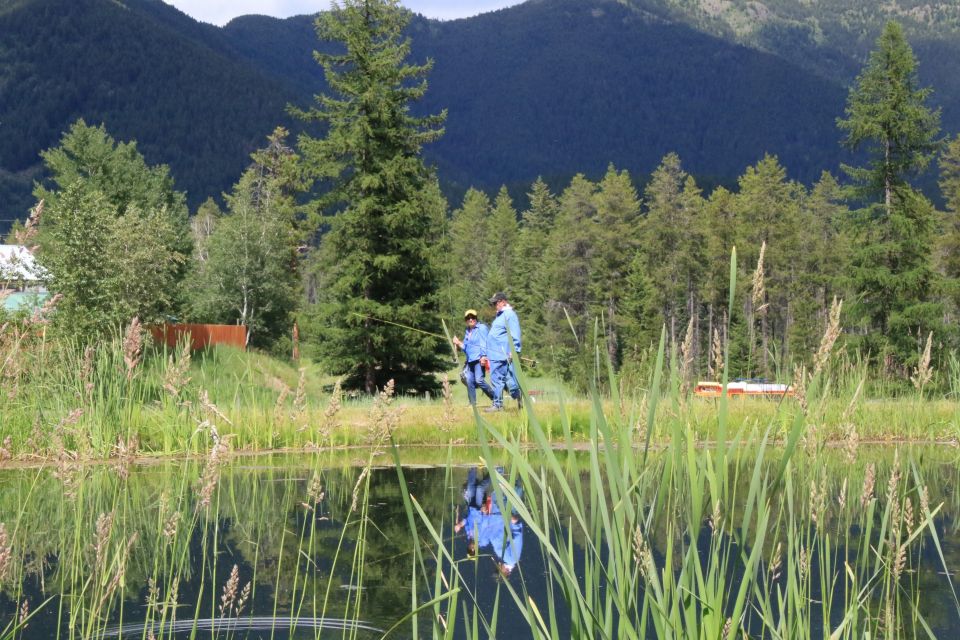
pixel 113 400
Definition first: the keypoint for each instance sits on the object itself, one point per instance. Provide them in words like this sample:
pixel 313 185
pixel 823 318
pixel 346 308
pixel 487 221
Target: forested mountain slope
pixel 147 71
pixel 548 87
pixel 553 87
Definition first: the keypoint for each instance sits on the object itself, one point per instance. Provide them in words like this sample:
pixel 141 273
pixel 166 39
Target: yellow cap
pixel 469 312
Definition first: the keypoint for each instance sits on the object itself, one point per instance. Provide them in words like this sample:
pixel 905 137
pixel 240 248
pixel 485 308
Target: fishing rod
pixel 447 338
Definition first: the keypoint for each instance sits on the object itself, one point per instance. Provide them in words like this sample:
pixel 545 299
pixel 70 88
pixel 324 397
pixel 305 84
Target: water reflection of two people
pixel 485 525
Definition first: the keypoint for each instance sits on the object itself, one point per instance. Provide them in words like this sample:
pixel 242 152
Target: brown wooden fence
pixel 201 335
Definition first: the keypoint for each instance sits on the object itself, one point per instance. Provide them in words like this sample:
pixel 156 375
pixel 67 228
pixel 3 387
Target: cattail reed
pixel 300 399
pixel 31 227
pixel 924 372
pixel 6 554
pixel 86 374
pixel 799 387
pixel 212 412
pixel 869 480
pixel 23 613
pixel 330 413
pixel 384 419
pixel 354 502
pixel 229 597
pixel 133 346
pixel 170 526
pixel 315 491
pixel 830 336
pixel 175 376
pixel 686 359
pixel 716 360
pixel 448 412
pixel 759 289
pixel 211 472
pixel 641 553
pixel 777 563
pixel 818 501
pixel 102 538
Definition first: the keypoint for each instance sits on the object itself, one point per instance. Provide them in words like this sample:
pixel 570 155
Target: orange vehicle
pixel 753 387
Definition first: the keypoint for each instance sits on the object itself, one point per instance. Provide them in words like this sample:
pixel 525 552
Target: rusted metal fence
pixel 201 335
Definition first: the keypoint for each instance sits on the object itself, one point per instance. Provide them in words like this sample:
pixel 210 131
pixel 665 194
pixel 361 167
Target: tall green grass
pixel 698 541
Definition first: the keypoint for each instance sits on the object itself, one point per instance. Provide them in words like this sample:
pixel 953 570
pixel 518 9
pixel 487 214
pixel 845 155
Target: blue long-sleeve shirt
pixel 506 549
pixel 505 326
pixel 475 342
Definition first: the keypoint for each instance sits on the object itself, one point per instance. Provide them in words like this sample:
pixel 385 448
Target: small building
pixel 22 280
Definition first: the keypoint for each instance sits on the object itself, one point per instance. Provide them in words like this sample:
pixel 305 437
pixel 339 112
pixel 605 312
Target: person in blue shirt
pixel 492 530
pixel 474 345
pixel 505 326
pixel 506 547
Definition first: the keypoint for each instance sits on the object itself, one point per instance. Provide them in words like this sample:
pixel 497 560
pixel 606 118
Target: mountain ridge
pixel 547 87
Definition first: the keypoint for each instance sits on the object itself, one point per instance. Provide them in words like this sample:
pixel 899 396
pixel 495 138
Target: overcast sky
pixel 219 12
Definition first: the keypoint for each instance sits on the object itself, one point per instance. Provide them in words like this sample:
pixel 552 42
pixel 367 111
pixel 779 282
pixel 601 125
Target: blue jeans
pixel 476 377
pixel 474 491
pixel 503 375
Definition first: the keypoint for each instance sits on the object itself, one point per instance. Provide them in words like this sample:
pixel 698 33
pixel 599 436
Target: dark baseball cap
pixel 497 297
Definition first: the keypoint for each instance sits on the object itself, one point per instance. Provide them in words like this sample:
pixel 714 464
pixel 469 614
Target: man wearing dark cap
pixel 505 326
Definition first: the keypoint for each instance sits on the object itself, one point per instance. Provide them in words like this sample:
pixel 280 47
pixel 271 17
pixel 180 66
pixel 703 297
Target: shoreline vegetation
pixel 129 400
pixel 689 541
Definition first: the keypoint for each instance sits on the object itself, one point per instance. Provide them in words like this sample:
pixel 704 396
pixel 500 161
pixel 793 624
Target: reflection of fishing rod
pixel 532 362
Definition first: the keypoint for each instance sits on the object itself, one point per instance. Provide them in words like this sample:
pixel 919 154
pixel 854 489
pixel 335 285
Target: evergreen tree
pixel 568 260
pixel 617 239
pixel 466 256
pixel 823 262
pixel 530 283
pixel 375 263
pixel 769 214
pixel 674 244
pixel 246 270
pixel 891 273
pixel 501 240
pixel 721 224
pixel 949 245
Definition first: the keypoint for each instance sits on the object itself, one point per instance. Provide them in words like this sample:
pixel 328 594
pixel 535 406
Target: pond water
pixel 305 546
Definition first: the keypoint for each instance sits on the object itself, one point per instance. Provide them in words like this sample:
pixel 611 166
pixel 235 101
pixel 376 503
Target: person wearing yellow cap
pixel 474 345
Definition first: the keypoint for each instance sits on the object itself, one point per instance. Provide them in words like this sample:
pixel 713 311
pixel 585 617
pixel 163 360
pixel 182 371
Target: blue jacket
pixel 506 549
pixel 498 340
pixel 472 522
pixel 475 342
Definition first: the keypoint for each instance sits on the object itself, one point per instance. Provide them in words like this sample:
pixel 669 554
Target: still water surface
pixel 113 552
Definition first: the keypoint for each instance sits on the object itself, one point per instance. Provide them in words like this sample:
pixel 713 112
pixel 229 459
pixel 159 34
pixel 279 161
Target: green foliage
pixel 465 255
pixel 245 265
pixel 948 246
pixel 500 243
pixel 114 235
pixel 892 273
pixel 376 261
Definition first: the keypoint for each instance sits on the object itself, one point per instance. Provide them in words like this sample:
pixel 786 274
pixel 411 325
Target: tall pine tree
pixel 892 273
pixel 375 264
pixel 949 245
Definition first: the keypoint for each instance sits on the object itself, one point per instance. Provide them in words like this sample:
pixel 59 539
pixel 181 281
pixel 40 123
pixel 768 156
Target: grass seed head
pixel 6 554
pixel 869 480
pixel 133 346
pixel 924 372
pixel 830 336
